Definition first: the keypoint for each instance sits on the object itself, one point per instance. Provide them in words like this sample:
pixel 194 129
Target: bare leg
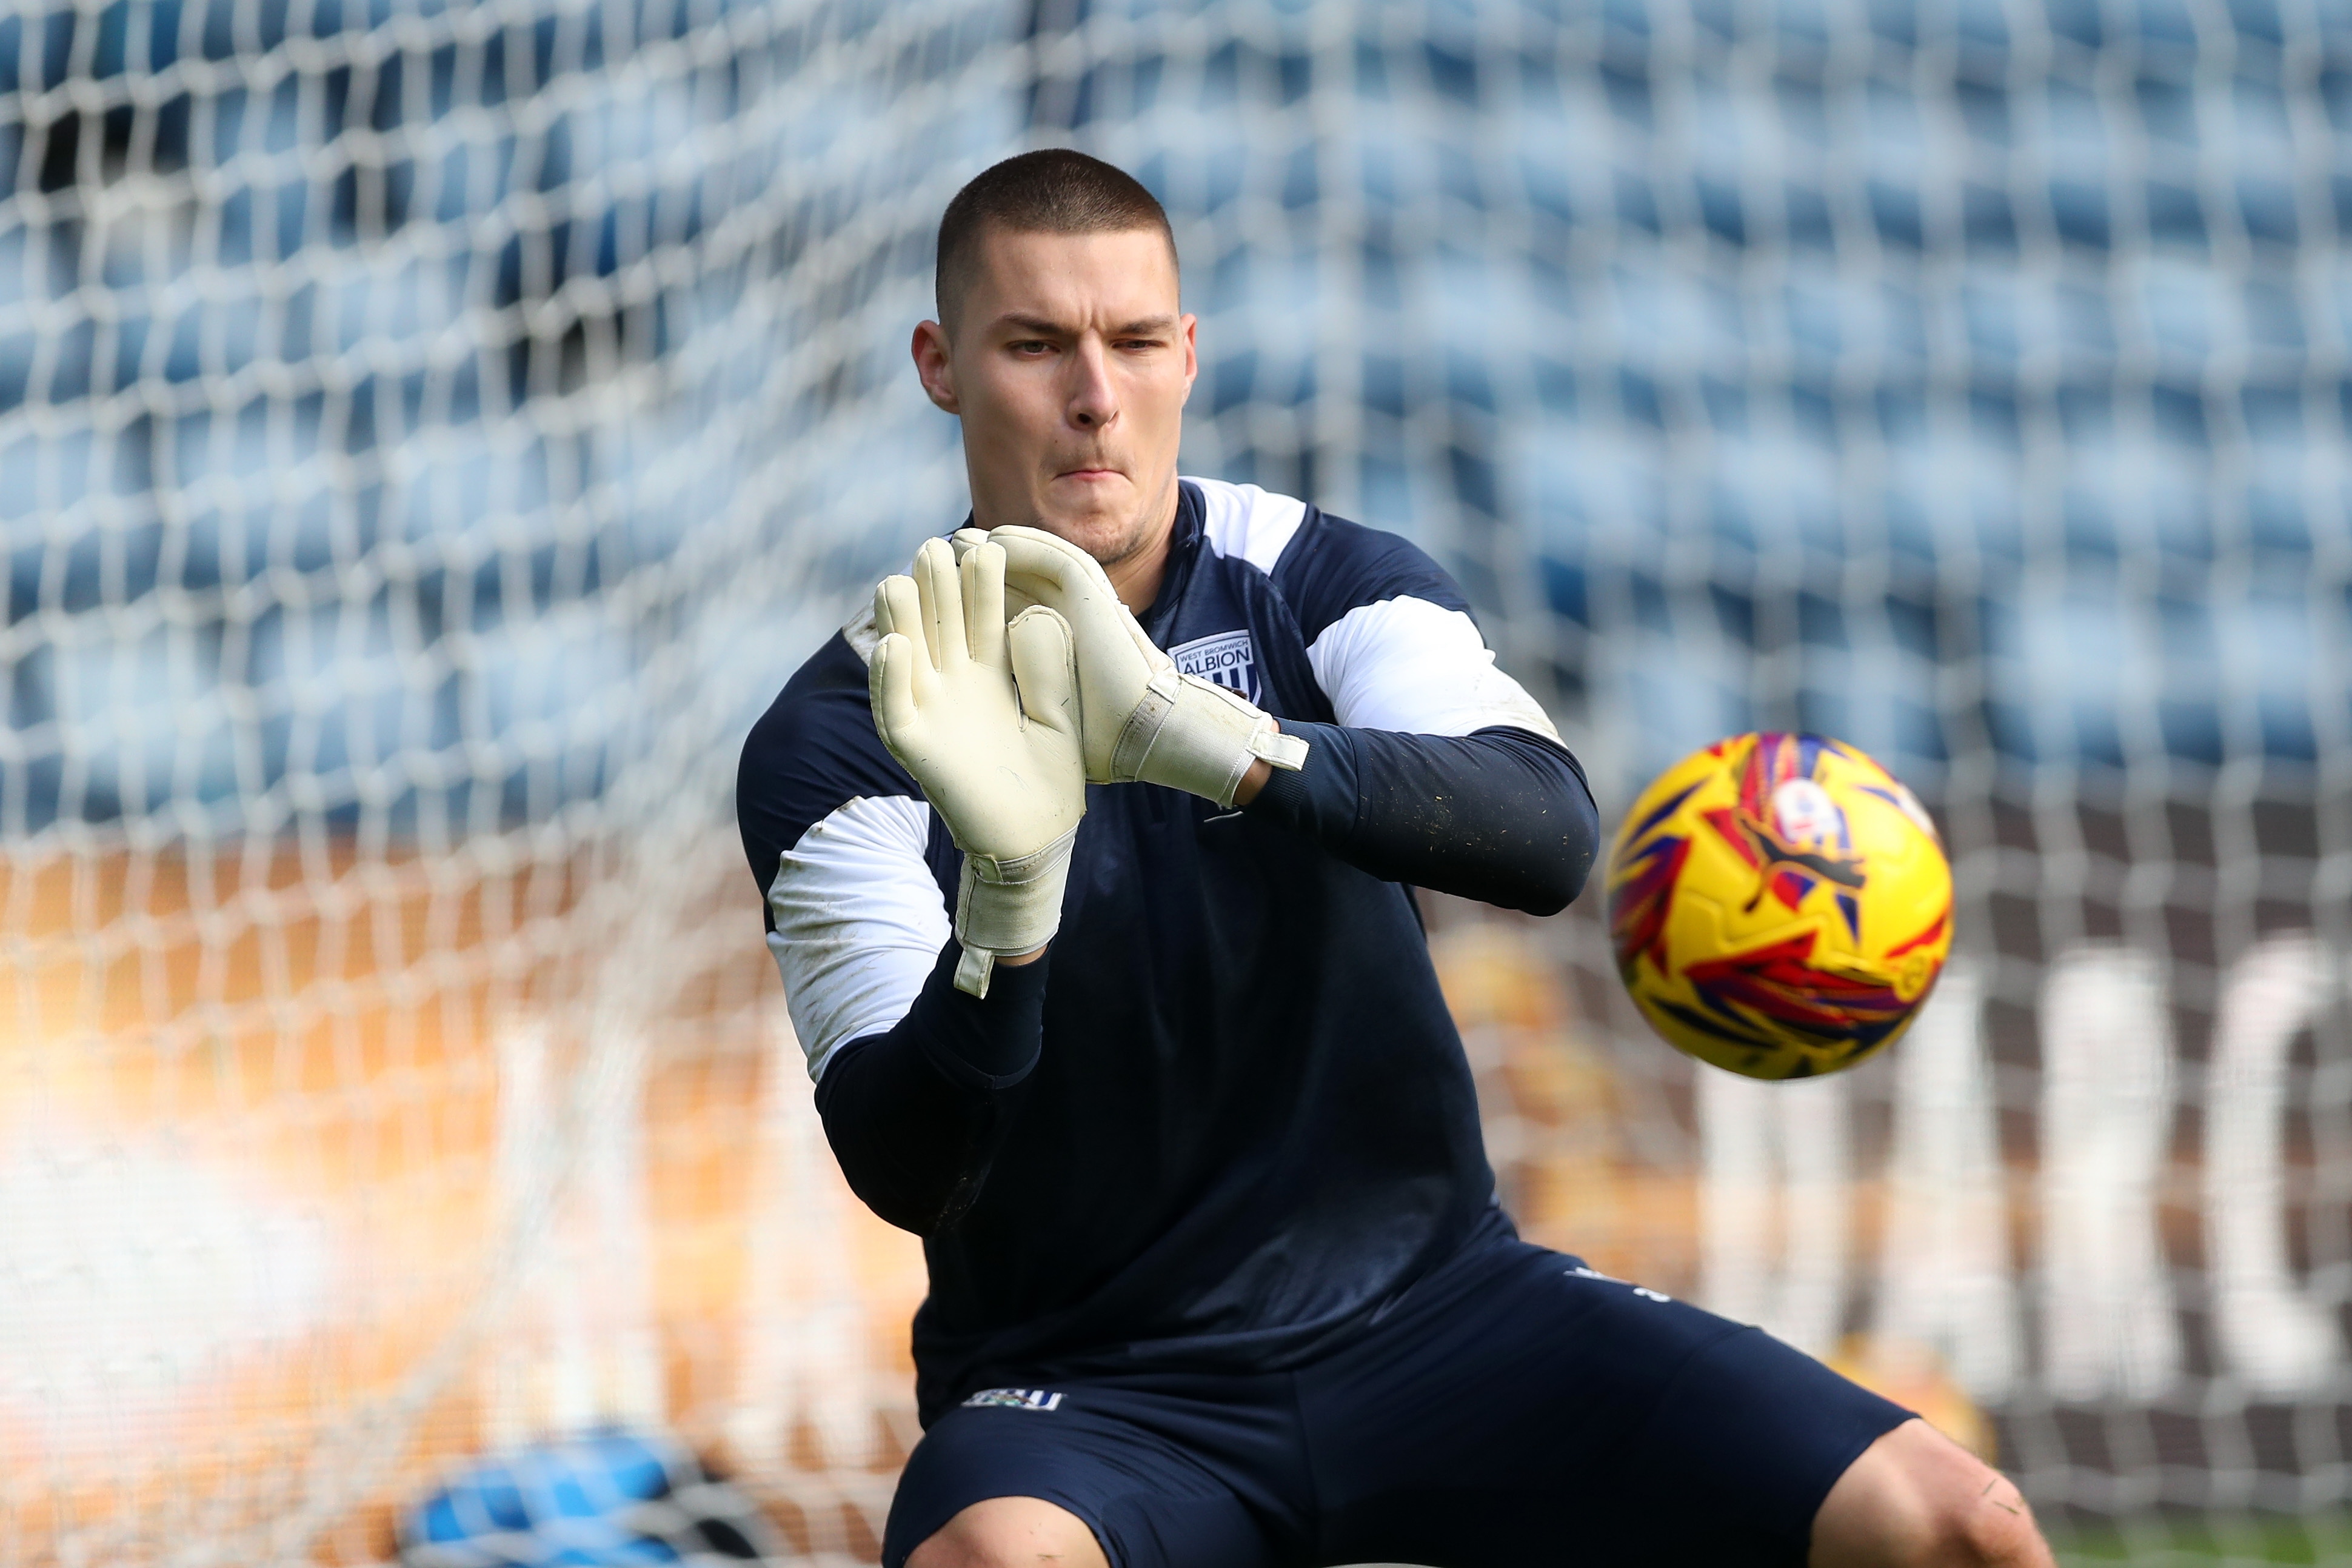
pixel 1011 1533
pixel 1918 1500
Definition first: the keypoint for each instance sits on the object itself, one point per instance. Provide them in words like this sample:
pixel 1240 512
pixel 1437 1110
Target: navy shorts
pixel 1512 1408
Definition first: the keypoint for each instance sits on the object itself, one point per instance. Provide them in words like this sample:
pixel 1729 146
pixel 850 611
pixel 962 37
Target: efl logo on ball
pixel 1780 905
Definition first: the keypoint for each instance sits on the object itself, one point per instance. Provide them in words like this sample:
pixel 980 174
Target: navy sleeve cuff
pixel 1322 798
pixel 916 1112
pixel 990 1043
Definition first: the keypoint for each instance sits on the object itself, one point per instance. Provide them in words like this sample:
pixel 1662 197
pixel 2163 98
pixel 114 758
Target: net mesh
pixel 430 433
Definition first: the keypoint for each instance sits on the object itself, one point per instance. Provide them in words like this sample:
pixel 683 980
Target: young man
pixel 1156 1062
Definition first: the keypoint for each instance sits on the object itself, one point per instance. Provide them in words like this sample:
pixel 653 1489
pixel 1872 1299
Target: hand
pixel 986 717
pixel 1142 720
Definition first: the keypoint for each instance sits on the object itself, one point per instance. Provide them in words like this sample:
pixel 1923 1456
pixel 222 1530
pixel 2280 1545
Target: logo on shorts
pixel 1015 1399
pixel 1228 658
pixel 1647 1295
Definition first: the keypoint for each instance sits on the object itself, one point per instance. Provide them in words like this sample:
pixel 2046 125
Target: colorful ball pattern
pixel 1780 905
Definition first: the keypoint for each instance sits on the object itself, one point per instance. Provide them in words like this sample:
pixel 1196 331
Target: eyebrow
pixel 1045 328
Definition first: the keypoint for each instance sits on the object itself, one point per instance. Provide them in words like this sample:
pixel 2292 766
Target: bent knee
pixel 1918 1500
pixel 1989 1527
pixel 1011 1533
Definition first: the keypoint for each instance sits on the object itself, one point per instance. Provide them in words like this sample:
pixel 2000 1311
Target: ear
pixel 935 366
pixel 1187 329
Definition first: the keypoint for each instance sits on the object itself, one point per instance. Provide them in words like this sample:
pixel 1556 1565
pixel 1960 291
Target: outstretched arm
pixel 1501 815
pixel 1440 769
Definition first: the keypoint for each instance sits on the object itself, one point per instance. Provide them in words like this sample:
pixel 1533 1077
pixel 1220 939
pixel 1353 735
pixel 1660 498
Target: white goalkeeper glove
pixel 986 717
pixel 1143 720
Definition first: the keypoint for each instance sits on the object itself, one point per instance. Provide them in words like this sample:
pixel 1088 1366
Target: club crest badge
pixel 1228 658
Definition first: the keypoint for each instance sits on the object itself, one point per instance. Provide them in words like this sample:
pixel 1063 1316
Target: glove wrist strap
pixel 1008 904
pixel 1196 736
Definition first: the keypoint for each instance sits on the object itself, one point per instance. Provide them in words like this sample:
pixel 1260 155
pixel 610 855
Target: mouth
pixel 1090 475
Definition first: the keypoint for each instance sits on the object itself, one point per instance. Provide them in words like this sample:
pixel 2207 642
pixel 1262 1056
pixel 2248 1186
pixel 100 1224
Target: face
pixel 1069 367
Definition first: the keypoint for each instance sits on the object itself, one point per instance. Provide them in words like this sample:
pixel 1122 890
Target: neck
pixel 1136 576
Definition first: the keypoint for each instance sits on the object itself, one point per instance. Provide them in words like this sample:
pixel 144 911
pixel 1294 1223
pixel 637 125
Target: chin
pixel 1106 530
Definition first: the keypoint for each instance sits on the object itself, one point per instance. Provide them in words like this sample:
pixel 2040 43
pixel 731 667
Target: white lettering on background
pixel 2271 1334
pixel 1944 1263
pixel 1775 1205
pixel 1775 1197
pixel 2107 1121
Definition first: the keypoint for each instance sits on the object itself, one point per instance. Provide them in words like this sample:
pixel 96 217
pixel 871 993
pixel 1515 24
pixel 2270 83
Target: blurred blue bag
pixel 600 1501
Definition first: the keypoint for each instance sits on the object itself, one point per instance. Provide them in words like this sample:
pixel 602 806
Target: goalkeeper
pixel 1086 854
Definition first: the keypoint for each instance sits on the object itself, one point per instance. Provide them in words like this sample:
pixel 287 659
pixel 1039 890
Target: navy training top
pixel 1228 1116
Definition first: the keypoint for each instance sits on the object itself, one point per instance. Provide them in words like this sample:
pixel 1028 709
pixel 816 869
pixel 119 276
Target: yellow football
pixel 1780 905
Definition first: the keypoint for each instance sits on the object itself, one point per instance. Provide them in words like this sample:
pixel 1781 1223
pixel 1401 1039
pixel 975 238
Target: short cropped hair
pixel 1053 191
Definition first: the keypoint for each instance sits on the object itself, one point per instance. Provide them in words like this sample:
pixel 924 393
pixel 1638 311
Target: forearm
pixel 915 1115
pixel 1502 816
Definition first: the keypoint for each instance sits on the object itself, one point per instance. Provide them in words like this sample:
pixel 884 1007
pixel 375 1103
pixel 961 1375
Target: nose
pixel 1094 401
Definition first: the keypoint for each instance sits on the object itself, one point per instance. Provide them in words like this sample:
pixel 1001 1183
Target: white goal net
pixel 431 431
